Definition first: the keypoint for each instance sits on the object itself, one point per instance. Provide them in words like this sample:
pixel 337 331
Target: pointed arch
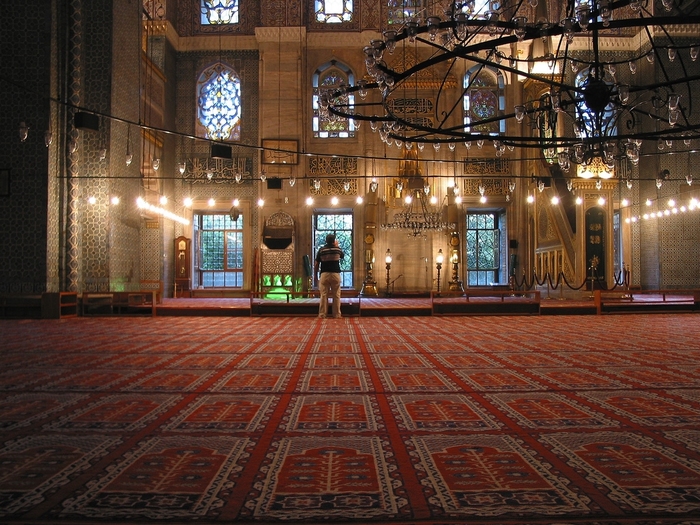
pixel 484 99
pixel 326 78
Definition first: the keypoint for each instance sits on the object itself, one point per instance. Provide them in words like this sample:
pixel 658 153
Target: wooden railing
pixel 119 303
pixel 502 302
pixel 640 300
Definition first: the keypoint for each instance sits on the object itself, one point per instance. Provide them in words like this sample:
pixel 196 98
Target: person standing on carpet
pixel 327 261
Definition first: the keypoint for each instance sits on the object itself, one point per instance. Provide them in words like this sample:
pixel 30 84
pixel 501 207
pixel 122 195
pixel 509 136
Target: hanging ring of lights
pixel 596 116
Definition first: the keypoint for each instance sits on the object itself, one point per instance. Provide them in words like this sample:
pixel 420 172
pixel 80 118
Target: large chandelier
pixel 418 217
pixel 589 107
pixel 421 213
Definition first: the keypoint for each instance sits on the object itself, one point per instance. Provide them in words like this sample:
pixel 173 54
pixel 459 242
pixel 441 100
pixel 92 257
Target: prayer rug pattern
pixel 589 420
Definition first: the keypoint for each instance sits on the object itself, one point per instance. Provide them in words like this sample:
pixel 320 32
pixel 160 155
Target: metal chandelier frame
pixel 600 117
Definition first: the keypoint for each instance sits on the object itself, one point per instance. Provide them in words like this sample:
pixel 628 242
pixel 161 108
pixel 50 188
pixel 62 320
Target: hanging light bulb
pixel 182 166
pixel 72 146
pixel 292 181
pixel 689 179
pixel 238 176
pixel 426 189
pixel 156 164
pixel 129 156
pixel 373 185
pixel 103 154
pixel 23 131
pixel 263 175
pixel 346 186
pixel 48 138
pixel 317 184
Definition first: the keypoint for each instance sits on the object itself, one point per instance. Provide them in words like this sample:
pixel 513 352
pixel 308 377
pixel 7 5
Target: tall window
pixel 219 12
pixel 333 11
pixel 484 99
pixel 325 124
pixel 483 244
pixel 219 103
pixel 219 250
pixel 341 225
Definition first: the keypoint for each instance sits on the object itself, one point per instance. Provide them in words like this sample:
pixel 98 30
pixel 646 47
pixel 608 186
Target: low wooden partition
pixel 120 303
pixel 646 300
pixel 485 302
pixel 18 306
pixel 300 303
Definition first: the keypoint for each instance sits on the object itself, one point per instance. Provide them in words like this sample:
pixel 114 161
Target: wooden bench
pixel 120 303
pixel 19 306
pixel 646 300
pixel 489 301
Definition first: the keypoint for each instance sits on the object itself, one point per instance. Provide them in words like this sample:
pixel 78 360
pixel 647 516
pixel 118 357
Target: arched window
pixel 219 103
pixel 327 77
pixel 484 99
pixel 333 11
pixel 216 12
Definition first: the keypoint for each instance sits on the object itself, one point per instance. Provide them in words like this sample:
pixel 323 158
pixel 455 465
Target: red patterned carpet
pixel 482 420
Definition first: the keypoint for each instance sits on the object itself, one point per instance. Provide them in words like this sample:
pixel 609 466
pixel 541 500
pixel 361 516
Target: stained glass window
pixel 333 11
pixel 216 12
pixel 326 78
pixel 219 103
pixel 484 99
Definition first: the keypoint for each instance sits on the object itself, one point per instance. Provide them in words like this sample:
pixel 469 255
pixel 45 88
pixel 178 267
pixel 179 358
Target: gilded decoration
pixel 486 166
pixel 335 187
pixel 430 78
pixel 545 228
pixel 491 186
pixel 280 219
pixel 217 171
pixel 336 166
